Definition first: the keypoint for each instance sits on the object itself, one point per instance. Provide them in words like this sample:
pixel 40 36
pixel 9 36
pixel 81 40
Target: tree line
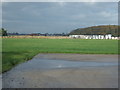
pixel 3 32
pixel 94 30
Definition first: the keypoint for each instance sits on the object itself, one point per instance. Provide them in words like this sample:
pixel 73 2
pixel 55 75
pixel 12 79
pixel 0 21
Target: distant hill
pixel 96 30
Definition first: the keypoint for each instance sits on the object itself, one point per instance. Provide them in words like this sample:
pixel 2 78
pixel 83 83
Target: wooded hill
pixel 97 30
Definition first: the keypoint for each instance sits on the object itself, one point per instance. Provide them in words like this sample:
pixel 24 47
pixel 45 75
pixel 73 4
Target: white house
pixel 108 36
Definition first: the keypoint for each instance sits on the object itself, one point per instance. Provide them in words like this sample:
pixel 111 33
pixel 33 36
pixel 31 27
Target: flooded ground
pixel 64 71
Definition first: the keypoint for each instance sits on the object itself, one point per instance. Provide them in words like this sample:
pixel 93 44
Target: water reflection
pixel 59 64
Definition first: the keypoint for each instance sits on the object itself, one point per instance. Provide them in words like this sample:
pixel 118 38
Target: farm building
pixel 109 36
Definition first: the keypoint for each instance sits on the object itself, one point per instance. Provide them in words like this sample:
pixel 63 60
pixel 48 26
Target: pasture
pixel 18 50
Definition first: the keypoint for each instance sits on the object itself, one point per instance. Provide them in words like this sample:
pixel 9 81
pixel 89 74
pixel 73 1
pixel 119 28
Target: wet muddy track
pixel 64 71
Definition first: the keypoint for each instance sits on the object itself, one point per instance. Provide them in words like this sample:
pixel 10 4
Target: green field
pixel 16 50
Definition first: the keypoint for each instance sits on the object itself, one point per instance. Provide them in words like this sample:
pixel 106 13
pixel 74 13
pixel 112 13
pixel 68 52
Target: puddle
pixel 61 64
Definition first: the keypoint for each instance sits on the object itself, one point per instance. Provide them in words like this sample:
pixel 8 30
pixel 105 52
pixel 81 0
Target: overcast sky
pixel 56 17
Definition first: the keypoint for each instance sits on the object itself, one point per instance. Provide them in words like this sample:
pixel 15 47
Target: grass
pixel 16 50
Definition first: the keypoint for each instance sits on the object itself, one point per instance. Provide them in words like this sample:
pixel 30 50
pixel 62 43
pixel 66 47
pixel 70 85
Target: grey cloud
pixel 56 17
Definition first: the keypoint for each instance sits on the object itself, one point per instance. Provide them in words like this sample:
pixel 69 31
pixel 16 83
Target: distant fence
pixel 47 37
pixel 66 37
